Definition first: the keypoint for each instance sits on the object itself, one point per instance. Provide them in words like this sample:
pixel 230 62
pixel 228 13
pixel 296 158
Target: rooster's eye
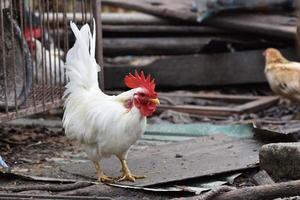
pixel 142 94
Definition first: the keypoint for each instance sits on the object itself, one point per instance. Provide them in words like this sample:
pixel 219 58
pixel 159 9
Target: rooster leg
pixel 101 176
pixel 127 175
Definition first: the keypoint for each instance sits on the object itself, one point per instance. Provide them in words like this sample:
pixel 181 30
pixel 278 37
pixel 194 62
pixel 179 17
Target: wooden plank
pixel 252 106
pixel 199 70
pixel 266 24
pixel 193 44
pixel 245 104
pixel 183 29
pixel 283 26
pixel 175 9
pixel 184 160
pixel 154 46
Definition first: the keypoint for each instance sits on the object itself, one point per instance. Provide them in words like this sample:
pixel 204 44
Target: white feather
pixel 53 65
pixel 100 122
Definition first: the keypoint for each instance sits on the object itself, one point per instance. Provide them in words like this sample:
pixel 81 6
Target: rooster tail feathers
pixel 81 66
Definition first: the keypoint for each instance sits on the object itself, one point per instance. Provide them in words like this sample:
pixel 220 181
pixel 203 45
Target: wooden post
pixel 99 39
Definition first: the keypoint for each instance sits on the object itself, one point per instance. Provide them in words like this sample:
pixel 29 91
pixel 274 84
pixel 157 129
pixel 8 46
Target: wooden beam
pixel 251 106
pixel 266 192
pixel 245 67
pixel 154 46
pixel 282 26
pixel 162 29
pixel 172 9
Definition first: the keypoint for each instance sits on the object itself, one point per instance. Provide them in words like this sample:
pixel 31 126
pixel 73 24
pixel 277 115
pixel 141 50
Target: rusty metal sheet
pixel 184 160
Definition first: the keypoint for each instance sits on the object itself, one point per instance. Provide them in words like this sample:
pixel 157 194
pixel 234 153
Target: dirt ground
pixel 40 151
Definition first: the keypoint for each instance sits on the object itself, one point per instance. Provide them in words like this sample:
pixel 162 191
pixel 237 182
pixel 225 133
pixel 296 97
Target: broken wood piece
pixel 175 29
pixel 265 192
pixel 47 187
pixel 283 26
pixel 154 46
pixel 170 9
pixel 250 104
pixel 8 196
pixel 262 178
pixel 36 178
pixel 150 45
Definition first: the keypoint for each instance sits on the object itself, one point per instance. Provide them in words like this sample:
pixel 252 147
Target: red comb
pixel 139 80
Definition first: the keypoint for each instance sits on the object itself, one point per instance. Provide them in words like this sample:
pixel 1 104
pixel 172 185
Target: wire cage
pixel 34 39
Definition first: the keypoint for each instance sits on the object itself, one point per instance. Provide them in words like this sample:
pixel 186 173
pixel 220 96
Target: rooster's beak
pixel 155 101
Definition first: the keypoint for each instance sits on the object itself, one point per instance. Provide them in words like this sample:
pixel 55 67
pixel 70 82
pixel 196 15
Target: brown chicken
pixel 283 75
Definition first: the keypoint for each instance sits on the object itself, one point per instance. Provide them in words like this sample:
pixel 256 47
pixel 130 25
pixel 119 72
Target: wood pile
pixel 164 38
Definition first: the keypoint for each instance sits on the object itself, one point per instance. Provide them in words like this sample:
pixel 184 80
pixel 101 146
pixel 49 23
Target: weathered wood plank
pixel 198 70
pixel 188 159
pixel 154 46
pixel 178 45
pixel 178 9
pixel 175 29
pixel 267 24
pixel 283 26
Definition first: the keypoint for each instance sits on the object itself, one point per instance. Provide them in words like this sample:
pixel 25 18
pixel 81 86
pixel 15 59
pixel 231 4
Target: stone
pixel 281 160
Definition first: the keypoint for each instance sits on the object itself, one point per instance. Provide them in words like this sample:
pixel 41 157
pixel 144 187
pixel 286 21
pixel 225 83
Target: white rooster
pixel 105 125
pixel 52 62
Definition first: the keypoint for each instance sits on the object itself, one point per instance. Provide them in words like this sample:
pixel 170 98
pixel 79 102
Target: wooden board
pixel 175 9
pixel 179 161
pixel 188 45
pixel 283 26
pixel 154 46
pixel 198 70
pixel 265 23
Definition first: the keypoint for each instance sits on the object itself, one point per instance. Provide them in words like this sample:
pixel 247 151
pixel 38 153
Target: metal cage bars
pixel 35 38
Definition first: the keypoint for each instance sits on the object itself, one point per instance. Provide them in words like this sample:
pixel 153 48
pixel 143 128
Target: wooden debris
pixel 203 70
pixel 4 196
pixel 283 26
pixel 262 178
pixel 265 192
pixel 176 9
pixel 154 46
pixel 47 187
pixel 248 104
pixel 158 29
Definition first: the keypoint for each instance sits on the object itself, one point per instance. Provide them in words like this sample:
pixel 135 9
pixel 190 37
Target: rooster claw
pixel 130 177
pixel 105 179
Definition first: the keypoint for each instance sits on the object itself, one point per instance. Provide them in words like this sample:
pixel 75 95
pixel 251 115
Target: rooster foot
pixel 129 177
pixel 105 179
